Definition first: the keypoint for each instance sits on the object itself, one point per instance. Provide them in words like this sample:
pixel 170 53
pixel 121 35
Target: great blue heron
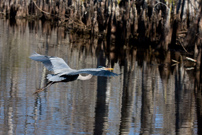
pixel 63 73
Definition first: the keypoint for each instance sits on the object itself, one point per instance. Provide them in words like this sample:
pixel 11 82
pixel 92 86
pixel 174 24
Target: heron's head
pixel 104 68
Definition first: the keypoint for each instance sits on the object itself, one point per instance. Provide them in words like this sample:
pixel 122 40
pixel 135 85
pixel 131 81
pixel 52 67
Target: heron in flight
pixel 63 73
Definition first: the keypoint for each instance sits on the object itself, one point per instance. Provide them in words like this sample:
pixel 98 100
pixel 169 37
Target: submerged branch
pixel 162 4
pixel 40 9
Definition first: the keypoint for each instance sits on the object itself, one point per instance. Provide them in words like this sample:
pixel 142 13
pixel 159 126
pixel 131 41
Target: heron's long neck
pixel 84 77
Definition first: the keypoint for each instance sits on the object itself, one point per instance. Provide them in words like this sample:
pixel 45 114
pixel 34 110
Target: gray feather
pixel 54 64
pixel 92 71
pixel 54 78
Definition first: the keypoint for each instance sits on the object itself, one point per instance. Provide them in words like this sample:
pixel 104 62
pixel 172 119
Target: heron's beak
pixel 109 69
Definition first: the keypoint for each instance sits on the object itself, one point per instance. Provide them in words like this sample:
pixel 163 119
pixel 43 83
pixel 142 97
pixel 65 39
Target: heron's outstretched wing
pixel 92 71
pixel 54 64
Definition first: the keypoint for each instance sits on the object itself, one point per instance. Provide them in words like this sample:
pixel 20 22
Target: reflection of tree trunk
pixel 10 120
pixel 198 94
pixel 198 98
pixel 13 92
pixel 170 105
pixel 185 108
pixel 43 77
pixel 127 101
pixel 101 105
pixel 178 90
pixel 37 107
pixel 147 100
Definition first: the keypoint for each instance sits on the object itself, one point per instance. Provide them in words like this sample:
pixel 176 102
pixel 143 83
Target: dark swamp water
pixel 147 98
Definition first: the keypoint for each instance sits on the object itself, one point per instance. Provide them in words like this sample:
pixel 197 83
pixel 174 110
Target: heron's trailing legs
pixel 42 89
